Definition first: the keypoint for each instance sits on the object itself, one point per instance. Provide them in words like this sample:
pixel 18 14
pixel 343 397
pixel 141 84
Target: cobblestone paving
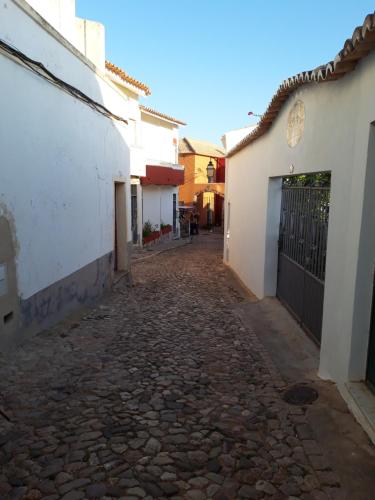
pixel 160 392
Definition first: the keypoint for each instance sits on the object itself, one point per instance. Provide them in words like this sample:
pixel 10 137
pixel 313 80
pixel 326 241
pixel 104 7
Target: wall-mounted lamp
pixel 210 170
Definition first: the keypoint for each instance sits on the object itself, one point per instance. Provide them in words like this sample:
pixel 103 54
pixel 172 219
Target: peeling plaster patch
pixel 7 214
pixel 296 124
pixel 83 287
pixel 9 299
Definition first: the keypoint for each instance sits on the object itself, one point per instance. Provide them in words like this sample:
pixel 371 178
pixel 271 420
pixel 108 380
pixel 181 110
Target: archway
pixel 210 206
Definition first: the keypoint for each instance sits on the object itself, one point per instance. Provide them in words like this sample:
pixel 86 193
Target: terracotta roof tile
pixel 203 148
pixel 160 115
pixel 184 147
pixel 127 78
pixel 355 48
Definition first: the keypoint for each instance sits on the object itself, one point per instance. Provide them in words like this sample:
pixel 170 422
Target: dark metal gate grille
pixel 134 213
pixel 174 213
pixel 302 253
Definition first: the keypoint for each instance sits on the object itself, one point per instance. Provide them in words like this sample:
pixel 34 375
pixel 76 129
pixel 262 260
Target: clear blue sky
pixel 209 62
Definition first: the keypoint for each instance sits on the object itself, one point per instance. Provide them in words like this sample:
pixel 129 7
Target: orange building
pixel 204 181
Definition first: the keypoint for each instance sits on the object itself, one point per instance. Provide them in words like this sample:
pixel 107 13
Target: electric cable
pixel 38 68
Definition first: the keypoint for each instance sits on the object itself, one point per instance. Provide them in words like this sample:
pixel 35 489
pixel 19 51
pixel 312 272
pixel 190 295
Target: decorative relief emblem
pixel 296 124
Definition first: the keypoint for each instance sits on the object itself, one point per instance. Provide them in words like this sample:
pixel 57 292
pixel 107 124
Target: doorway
pixel 120 260
pixel 219 210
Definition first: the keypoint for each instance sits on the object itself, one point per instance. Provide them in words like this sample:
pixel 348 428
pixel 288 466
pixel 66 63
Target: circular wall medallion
pixel 296 124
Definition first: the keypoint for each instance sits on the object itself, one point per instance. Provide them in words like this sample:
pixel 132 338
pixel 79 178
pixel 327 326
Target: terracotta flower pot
pixel 153 236
pixel 166 230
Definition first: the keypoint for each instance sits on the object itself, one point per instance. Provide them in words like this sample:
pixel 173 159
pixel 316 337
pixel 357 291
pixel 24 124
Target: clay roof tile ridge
pixel 127 78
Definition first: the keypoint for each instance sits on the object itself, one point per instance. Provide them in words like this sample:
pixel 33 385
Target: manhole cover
pixel 300 395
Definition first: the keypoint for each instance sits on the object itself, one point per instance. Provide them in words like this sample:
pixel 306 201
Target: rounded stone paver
pixel 158 392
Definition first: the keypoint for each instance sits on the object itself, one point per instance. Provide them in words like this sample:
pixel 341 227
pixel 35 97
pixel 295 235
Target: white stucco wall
pixel 151 205
pixel 157 140
pixel 167 203
pixel 233 137
pixel 87 36
pixel 336 139
pixel 59 157
pixel 90 40
pixel 158 204
pixel 137 152
pixel 60 14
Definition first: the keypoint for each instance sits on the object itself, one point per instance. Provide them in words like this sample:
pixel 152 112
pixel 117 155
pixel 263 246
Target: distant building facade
pixel 154 169
pixel 160 136
pixel 203 191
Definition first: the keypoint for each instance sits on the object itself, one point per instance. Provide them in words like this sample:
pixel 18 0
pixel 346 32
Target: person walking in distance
pixel 196 222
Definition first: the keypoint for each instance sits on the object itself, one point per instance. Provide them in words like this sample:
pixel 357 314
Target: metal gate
pixel 302 253
pixel 174 219
pixel 134 213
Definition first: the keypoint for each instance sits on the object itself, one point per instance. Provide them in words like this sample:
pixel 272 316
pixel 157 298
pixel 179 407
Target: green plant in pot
pixel 148 229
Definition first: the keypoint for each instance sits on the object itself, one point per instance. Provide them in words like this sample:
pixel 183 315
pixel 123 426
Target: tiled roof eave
pixel 354 49
pixel 127 78
pixel 168 118
pixel 200 148
pixel 120 81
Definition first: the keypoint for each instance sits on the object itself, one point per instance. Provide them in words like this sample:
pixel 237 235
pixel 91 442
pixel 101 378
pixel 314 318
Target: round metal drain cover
pixel 300 395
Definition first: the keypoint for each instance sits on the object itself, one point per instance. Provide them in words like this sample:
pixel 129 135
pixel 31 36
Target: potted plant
pixel 149 233
pixel 165 228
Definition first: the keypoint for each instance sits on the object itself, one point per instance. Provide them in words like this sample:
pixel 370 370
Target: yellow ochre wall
pixel 196 177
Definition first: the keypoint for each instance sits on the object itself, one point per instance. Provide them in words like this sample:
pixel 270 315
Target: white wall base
pixel 361 402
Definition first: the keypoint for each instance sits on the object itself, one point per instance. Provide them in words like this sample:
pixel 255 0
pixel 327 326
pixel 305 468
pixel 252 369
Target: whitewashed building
pixel 154 169
pixel 65 166
pixel 160 137
pixel 133 90
pixel 314 246
pixel 231 138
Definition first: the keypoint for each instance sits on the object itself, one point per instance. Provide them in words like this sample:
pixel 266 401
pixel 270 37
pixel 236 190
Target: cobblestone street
pixel 159 392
